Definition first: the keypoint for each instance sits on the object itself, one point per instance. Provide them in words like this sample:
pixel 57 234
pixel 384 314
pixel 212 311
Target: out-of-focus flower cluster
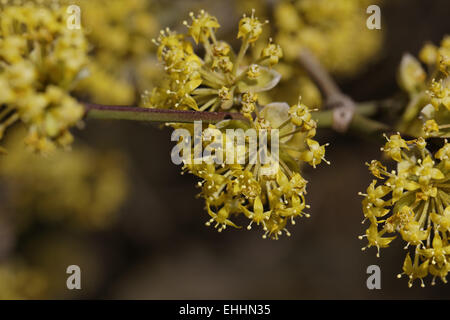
pixel 428 111
pixel 79 191
pixel 121 58
pixel 81 187
pixel 18 281
pixel 40 59
pixel 412 201
pixel 223 80
pixel 335 31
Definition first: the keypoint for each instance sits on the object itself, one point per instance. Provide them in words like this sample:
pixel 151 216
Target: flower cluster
pixel 268 193
pixel 428 112
pixel 19 281
pixel 414 202
pixel 220 78
pixel 82 187
pixel 40 59
pixel 334 32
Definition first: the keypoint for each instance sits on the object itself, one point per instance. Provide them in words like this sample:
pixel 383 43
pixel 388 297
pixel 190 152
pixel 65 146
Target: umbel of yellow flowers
pixel 412 201
pixel 428 112
pixel 225 80
pixel 267 200
pixel 39 60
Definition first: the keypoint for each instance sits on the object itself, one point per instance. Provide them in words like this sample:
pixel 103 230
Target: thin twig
pixel 318 74
pixel 97 111
pixel 342 115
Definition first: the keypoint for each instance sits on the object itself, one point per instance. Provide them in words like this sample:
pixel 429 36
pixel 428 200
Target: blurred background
pixel 117 207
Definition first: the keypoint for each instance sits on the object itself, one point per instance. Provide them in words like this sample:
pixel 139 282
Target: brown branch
pixel 318 74
pixel 343 107
pixel 97 111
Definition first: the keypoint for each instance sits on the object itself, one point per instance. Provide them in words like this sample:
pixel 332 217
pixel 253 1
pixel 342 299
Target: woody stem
pixel 97 111
pixel 343 114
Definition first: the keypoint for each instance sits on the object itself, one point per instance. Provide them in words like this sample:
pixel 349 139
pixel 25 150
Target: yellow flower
pixel 415 270
pixel 273 52
pixel 430 127
pixel 376 239
pixel 376 167
pixel 250 28
pixel 442 221
pixel 220 218
pixel 393 148
pixel 202 26
pixel 438 252
pixel 413 202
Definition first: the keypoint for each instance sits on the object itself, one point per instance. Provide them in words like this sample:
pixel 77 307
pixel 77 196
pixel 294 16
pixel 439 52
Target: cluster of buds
pixel 413 201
